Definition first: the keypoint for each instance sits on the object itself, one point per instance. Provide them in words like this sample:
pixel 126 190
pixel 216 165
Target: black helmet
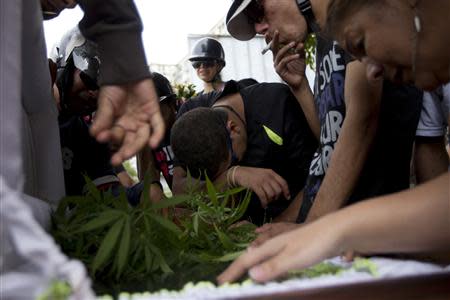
pixel 75 48
pixel 163 87
pixel 208 49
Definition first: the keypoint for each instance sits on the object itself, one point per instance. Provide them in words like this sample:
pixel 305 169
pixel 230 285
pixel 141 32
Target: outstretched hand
pixel 296 249
pixel 128 116
pixel 270 230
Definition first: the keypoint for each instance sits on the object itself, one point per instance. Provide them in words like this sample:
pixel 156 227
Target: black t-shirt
pixel 270 108
pixel 207 100
pixel 82 154
pixel 387 167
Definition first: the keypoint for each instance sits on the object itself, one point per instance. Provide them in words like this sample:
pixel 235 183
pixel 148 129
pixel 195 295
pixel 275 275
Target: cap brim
pixel 237 22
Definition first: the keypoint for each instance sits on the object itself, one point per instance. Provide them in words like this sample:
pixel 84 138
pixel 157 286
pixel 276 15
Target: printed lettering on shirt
pixel 332 62
pixel 164 157
pixel 169 154
pixel 331 108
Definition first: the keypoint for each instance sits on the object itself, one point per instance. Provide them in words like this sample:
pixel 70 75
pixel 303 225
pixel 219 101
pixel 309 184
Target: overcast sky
pixel 166 25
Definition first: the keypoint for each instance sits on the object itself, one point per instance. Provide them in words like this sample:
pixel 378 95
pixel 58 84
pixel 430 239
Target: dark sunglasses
pixel 255 12
pixel 206 64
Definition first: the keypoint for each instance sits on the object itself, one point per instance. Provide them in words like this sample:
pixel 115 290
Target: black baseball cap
pixel 238 24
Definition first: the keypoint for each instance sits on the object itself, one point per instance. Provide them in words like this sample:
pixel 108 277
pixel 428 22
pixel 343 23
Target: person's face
pixel 282 16
pixel 168 112
pixel 206 70
pixel 384 39
pixel 81 100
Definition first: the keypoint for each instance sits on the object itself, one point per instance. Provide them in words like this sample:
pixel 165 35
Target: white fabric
pixel 435 112
pixel 41 150
pixel 29 140
pixel 386 268
pixel 30 259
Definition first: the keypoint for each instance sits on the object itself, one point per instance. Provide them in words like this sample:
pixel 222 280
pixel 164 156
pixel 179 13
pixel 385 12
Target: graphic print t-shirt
pixel 329 100
pixel 386 169
pixel 164 159
pixel 82 154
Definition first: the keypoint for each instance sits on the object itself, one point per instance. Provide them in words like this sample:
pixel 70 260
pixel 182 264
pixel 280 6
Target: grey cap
pixel 238 24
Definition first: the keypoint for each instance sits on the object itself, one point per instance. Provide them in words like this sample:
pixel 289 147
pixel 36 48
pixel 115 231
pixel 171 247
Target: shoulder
pixel 266 90
pixel 203 100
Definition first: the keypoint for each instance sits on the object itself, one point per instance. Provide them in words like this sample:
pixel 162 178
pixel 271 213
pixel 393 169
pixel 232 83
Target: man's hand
pixel 289 62
pixel 127 116
pixel 156 196
pixel 270 230
pixel 267 184
pixel 54 7
pixel 296 249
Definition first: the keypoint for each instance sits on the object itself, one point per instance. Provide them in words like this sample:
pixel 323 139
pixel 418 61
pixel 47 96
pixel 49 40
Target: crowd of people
pixel 329 167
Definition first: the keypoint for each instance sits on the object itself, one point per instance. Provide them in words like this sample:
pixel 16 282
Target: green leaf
pixel 224 239
pixel 92 189
pixel 138 252
pixel 122 202
pixel 169 202
pixel 229 256
pixel 124 248
pixel 161 261
pixel 212 193
pixel 101 220
pixel 195 223
pixel 145 197
pixel 148 260
pixel 365 265
pixel 166 223
pixel 242 207
pixel 107 246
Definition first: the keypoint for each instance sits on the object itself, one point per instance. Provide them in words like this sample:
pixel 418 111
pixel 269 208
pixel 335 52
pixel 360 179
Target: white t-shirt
pixel 435 113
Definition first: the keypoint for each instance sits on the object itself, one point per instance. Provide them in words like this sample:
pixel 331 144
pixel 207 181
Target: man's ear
pixel 233 127
pixel 53 69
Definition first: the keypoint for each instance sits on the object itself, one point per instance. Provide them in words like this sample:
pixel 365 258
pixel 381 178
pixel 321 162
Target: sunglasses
pixel 255 12
pixel 205 64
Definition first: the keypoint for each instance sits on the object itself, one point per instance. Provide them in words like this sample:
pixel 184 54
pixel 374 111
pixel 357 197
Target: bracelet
pixel 228 177
pixel 233 179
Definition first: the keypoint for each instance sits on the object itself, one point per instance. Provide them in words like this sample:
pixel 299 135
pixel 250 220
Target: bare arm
pixel 416 220
pixel 354 142
pixel 305 97
pixel 430 158
pixel 125 179
pixel 290 214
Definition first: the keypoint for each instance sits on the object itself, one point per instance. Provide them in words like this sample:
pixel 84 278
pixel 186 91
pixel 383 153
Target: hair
pixel 199 141
pixel 339 10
